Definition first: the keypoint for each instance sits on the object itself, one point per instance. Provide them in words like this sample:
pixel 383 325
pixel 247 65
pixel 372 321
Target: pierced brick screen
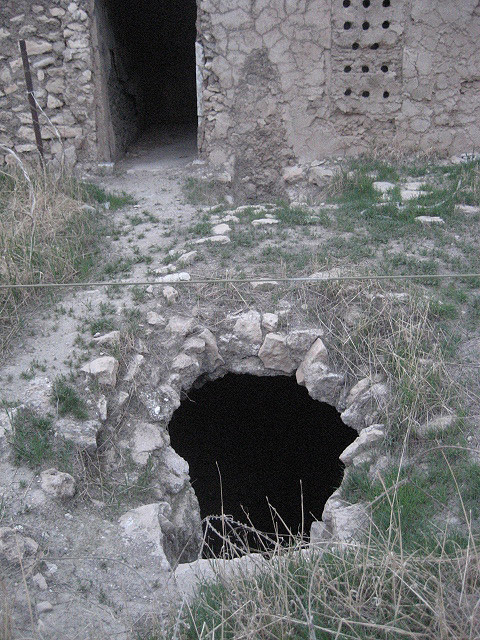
pixel 367 52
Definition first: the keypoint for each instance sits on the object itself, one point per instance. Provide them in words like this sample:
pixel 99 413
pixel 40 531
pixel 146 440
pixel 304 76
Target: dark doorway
pixel 147 51
pixel 270 443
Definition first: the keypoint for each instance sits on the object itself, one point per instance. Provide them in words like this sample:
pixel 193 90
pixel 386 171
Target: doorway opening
pixel 262 451
pixel 146 55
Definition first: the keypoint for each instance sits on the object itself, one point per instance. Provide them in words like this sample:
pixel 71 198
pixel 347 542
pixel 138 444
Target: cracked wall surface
pixel 282 82
pixel 340 76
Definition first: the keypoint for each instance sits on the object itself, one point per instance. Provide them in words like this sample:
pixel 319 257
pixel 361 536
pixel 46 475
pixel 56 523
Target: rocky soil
pixel 92 534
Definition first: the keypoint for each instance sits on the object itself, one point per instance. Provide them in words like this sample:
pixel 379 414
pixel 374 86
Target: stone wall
pixel 293 81
pixel 58 38
pixel 283 82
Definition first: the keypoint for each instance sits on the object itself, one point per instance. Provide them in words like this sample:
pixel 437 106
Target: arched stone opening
pixel 262 451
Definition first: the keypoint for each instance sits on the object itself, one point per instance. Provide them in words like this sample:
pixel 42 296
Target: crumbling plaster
pixel 340 78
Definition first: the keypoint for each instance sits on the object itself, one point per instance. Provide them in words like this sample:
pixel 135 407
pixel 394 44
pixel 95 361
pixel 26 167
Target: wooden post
pixel 31 100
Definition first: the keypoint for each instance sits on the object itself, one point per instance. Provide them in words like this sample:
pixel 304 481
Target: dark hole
pixel 366 94
pixel 271 441
pixel 366 3
pixel 384 68
pixel 386 3
pixel 365 69
pixel 347 25
pixel 346 3
pixel 385 24
pixel 348 92
pixel 386 94
pixel 347 69
pixel 355 46
pixel 374 46
pixel 152 83
pixel 365 26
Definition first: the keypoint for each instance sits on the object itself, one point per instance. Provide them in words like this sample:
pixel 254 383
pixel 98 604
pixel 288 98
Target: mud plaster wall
pixel 283 81
pixel 333 77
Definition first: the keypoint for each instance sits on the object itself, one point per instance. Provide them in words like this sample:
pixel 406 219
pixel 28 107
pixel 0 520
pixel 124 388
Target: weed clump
pixel 47 235
pixel 67 400
pixel 31 438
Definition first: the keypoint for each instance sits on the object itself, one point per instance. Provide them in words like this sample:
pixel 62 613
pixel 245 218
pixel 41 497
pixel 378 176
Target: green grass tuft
pixel 67 400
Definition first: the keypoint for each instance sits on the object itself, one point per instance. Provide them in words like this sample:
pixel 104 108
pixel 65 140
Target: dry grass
pixel 370 591
pixel 45 236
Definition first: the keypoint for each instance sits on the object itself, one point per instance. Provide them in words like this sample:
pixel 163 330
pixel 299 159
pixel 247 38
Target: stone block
pixel 275 354
pixel 103 369
pixel 57 484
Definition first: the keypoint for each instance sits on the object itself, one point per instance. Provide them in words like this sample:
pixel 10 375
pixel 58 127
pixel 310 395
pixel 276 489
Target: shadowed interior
pixel 270 444
pixel 149 53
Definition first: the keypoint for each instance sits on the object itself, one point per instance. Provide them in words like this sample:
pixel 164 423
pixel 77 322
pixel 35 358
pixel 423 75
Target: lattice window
pixel 367 52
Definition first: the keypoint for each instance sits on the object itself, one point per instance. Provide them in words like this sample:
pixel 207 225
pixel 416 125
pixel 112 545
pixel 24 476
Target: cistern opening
pixel 265 448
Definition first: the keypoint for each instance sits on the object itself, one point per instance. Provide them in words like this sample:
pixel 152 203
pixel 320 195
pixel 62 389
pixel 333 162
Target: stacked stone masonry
pixel 280 82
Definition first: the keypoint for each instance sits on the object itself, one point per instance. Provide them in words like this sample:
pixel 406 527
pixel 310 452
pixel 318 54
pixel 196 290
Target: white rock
pixel 438 424
pixel 37 48
pixel 142 525
pixel 264 285
pixel 275 354
pixel 367 437
pixel 147 438
pixel 319 175
pixel 187 258
pixel 134 367
pixel 155 319
pixel 102 407
pixel 270 321
pixel 409 194
pixel 103 369
pixel 264 221
pixel 194 344
pixel 40 582
pixel 215 239
pixel 430 220
pixel 292 174
pixel 122 397
pixel 108 338
pixel 184 363
pixel 180 326
pixel 360 387
pixel 182 276
pixel 57 484
pixel 16 549
pixel 221 229
pixel 44 607
pixel 230 218
pixel 170 294
pixel 344 522
pixel 467 209
pixel 211 348
pixel 248 328
pixel 317 354
pixel 383 187
pixel 82 433
pixel 414 186
pixel 371 400
pixel 53 102
pixel 302 339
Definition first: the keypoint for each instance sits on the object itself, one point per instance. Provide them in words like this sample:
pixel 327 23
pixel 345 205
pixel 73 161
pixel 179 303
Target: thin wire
pixel 273 279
